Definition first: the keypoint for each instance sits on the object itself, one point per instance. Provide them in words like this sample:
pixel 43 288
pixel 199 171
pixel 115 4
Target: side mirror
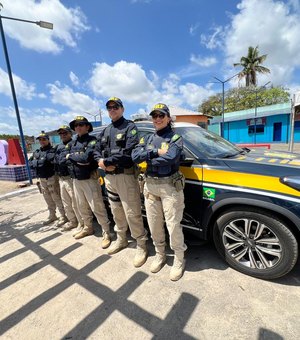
pixel 187 162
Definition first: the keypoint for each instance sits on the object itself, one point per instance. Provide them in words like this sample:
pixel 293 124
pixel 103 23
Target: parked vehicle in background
pixel 248 201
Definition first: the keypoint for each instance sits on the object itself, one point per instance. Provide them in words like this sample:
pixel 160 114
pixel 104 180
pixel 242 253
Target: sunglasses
pixel 158 115
pixel 115 107
pixel 63 133
pixel 79 124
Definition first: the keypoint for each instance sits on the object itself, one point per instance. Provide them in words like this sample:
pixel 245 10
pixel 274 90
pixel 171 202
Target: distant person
pixel 113 154
pixel 42 161
pixel 163 191
pixel 65 180
pixel 86 186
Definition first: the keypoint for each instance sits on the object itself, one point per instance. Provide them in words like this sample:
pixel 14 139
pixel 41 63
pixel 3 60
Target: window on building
pixel 202 124
pixel 259 129
pixel 297 125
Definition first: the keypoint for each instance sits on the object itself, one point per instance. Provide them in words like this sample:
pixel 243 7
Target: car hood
pixel 269 162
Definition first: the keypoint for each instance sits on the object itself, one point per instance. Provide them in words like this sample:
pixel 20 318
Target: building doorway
pixel 277 132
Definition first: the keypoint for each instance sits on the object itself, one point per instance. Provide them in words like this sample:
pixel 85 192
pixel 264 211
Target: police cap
pixel 116 100
pixel 64 128
pixel 43 134
pixel 161 108
pixel 80 119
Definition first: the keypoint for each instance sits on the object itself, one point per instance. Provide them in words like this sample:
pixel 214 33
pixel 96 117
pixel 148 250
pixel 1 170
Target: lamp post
pixel 223 100
pixel 42 24
pixel 255 111
pixel 95 115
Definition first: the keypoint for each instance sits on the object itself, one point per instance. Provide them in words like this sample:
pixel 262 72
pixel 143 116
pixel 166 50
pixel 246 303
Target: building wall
pixel 238 131
pixel 192 119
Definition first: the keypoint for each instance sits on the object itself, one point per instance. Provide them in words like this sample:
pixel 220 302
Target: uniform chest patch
pixel 164 146
pixel 119 136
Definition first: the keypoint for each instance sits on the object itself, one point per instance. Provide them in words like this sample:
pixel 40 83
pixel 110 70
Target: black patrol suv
pixel 248 201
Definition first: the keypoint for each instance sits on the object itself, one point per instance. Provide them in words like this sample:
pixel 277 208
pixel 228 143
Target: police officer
pixel 113 154
pixel 163 191
pixel 86 186
pixel 42 161
pixel 65 180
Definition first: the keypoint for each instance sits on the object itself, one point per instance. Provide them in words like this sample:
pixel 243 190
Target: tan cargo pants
pixel 51 193
pixel 89 199
pixel 125 202
pixel 68 199
pixel 164 203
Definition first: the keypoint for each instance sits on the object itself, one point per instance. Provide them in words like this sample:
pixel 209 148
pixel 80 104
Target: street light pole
pixel 43 24
pixel 95 115
pixel 223 101
pixel 255 111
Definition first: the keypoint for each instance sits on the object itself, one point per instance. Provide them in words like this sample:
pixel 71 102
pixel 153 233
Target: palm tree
pixel 251 66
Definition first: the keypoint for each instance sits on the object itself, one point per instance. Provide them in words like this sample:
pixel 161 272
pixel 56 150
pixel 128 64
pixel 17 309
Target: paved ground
pixel 53 287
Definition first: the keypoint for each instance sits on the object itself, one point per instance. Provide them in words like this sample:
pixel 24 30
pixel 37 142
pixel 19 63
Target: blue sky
pixel 143 51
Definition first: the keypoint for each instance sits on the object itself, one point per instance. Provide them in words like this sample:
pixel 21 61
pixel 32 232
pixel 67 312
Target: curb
pixel 17 192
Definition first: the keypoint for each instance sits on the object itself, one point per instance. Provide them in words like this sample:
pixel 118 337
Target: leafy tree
pixel 243 98
pixel 251 65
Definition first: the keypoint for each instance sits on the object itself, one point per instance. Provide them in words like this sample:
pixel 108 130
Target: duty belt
pixel 161 180
pixel 117 171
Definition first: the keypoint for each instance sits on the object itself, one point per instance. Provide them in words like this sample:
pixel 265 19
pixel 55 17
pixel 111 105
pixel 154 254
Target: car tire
pixel 255 242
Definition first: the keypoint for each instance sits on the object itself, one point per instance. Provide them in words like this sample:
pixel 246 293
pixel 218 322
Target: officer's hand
pixel 101 164
pixel 110 168
pixel 161 152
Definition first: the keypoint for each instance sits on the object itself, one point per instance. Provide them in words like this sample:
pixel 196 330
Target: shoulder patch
pixel 93 142
pixel 142 140
pixel 175 137
pixel 133 132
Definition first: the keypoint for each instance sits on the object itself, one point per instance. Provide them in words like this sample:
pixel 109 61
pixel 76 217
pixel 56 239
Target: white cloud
pixel 272 25
pixel 193 28
pixel 77 102
pixel 69 24
pixel 193 94
pixel 23 89
pixel 203 61
pixel 74 78
pixel 123 79
pixel 215 39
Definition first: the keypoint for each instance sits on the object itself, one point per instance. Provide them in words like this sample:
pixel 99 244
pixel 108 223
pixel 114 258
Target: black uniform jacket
pixel 42 161
pixel 116 142
pixel 81 156
pixel 147 150
pixel 60 162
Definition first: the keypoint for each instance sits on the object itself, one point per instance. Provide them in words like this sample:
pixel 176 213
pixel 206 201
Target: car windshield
pixel 211 145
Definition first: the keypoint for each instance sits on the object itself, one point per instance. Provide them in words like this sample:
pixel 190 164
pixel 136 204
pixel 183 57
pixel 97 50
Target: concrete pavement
pixel 53 287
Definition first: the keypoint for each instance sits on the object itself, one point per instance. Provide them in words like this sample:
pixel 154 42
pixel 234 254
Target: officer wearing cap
pixel 86 186
pixel 163 190
pixel 113 154
pixel 65 180
pixel 42 161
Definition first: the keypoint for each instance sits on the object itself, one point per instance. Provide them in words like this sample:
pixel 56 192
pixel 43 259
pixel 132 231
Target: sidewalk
pixel 55 287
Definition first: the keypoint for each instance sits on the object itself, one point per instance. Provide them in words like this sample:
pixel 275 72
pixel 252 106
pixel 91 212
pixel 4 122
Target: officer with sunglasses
pixel 113 154
pixel 42 161
pixel 163 190
pixel 65 180
pixel 86 186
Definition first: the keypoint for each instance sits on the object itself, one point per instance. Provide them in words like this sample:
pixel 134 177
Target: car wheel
pixel 255 243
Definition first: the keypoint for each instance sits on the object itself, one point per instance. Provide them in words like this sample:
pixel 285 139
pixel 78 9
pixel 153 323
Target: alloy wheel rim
pixel 252 243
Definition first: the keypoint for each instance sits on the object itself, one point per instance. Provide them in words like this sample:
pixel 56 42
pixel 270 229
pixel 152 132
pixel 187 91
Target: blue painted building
pixel 271 123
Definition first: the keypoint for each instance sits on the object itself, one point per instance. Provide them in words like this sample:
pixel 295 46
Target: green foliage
pixel 251 65
pixel 6 137
pixel 243 98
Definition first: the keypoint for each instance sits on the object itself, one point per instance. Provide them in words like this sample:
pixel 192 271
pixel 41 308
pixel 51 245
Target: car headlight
pixel 291 181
